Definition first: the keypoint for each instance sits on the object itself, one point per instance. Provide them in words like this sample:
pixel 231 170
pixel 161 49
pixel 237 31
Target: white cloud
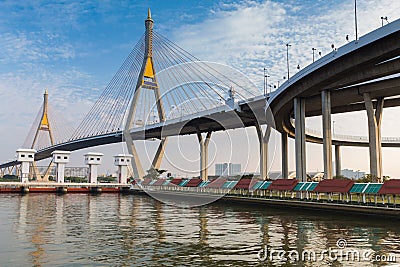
pixel 18 47
pixel 251 35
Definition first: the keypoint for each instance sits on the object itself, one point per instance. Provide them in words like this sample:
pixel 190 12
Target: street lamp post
pixel 287 60
pixel 265 81
pixel 384 18
pixel 313 50
pixel 265 71
pixel 355 18
pixel 182 111
pixel 173 110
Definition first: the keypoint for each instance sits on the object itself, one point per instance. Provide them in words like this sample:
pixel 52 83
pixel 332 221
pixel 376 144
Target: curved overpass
pixel 358 67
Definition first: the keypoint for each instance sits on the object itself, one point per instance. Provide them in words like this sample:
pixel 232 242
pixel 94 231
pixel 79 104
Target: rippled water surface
pixel 117 230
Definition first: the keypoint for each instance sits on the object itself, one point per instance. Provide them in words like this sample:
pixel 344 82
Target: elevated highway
pixel 362 75
pixel 348 72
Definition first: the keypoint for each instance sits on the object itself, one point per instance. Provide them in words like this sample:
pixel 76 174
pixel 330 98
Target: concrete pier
pixel 374 133
pixel 60 158
pixel 26 157
pixel 263 139
pixel 93 159
pixel 159 154
pixel 327 133
pixel 338 161
pixel 204 142
pixel 123 163
pixel 284 148
pixel 57 188
pixel 300 142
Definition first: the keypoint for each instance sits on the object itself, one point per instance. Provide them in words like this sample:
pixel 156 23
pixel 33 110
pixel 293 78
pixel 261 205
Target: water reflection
pixel 119 230
pixel 159 221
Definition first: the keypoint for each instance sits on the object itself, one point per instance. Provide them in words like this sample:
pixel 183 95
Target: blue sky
pixel 73 48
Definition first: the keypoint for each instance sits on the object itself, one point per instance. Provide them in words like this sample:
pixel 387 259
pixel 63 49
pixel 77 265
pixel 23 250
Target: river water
pixel 119 230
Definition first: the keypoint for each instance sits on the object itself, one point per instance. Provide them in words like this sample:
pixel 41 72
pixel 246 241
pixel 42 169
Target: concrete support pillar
pixel 378 116
pixel 263 139
pixel 284 147
pixel 123 162
pixel 12 170
pixel 338 161
pixel 136 164
pixel 60 173
pixel 34 172
pixel 93 159
pixel 206 143
pixel 300 138
pixel 204 154
pixel 327 133
pixel 374 133
pixel 159 154
pixel 25 157
pixel 60 158
pixel 45 177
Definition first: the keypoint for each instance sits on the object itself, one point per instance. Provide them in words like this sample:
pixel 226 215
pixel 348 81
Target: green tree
pixel 10 178
pixel 368 178
pixel 107 179
pixel 341 177
pixel 154 173
pixel 74 179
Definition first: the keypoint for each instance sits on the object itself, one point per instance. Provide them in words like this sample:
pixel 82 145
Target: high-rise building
pixel 235 169
pixel 353 174
pixel 228 169
pixel 221 169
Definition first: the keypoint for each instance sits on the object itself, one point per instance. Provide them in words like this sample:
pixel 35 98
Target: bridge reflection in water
pixel 49 230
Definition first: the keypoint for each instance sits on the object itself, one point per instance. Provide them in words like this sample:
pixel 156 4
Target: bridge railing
pixel 353 138
pixel 347 137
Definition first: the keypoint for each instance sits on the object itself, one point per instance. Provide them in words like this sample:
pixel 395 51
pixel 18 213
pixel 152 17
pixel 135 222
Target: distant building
pixel 235 169
pixel 353 174
pixel 221 169
pixel 273 175
pixel 228 169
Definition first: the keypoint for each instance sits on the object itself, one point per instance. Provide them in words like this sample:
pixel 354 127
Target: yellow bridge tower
pixel 44 126
pixel 147 80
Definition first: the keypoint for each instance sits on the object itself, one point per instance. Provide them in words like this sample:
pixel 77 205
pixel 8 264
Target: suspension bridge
pixel 161 90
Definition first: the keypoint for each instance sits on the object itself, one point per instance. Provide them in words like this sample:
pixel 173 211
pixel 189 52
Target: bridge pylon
pixel 147 80
pixel 43 126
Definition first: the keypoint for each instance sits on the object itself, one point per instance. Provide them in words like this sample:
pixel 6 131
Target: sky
pixel 74 48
